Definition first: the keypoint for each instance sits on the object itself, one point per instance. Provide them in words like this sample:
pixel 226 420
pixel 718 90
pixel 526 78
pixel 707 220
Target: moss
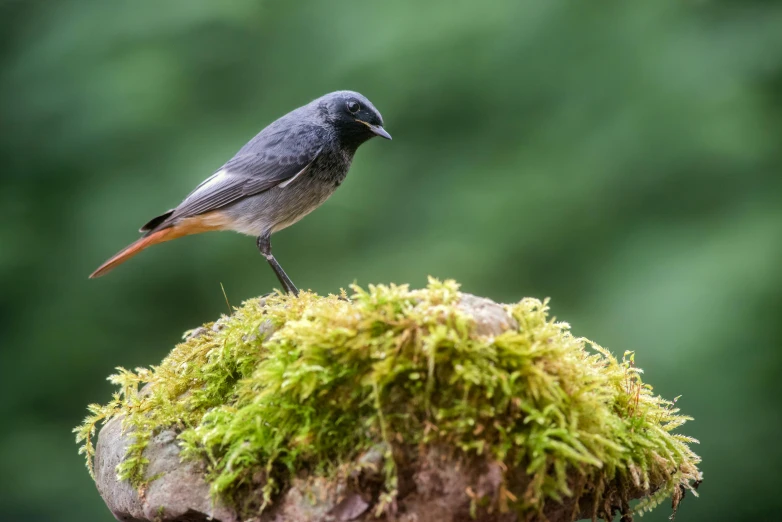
pixel 401 367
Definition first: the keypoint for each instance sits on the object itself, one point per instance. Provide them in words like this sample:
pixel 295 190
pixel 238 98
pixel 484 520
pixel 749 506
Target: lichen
pixel 401 367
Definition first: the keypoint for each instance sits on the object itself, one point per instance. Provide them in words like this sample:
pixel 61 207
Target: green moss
pixel 401 367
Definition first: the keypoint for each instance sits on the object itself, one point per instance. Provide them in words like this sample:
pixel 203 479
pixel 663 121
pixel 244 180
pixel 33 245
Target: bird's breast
pixel 331 167
pixel 282 206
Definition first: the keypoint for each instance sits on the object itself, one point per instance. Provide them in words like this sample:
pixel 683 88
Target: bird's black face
pixel 356 119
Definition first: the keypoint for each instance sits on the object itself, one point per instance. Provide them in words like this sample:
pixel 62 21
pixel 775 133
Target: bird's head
pixel 354 118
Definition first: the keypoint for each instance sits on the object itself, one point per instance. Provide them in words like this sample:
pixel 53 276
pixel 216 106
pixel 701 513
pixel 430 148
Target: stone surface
pixel 178 494
pixel 490 317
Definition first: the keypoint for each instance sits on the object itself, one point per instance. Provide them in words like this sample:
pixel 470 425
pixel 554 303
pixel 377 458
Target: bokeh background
pixel 622 158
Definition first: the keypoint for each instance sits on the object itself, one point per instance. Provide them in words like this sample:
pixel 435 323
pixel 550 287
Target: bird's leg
pixel 265 246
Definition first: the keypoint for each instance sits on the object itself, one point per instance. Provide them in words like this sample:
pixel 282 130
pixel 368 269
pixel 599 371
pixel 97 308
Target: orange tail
pixel 131 250
pixel 215 220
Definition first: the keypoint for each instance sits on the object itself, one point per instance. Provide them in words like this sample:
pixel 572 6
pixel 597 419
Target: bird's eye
pixel 353 106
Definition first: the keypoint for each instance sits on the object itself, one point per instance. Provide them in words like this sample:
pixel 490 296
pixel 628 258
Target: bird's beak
pixel 377 129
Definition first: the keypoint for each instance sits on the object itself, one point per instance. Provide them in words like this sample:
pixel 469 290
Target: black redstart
pixel 285 172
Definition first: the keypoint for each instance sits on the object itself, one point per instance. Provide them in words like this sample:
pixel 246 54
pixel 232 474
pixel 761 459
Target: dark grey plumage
pixel 286 171
pixel 315 137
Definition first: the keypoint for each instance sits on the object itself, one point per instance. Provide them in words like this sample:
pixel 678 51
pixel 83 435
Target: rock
pixel 195 333
pixel 438 491
pixel 266 329
pixel 351 507
pixel 434 484
pixel 490 318
pixel 179 493
pixel 219 324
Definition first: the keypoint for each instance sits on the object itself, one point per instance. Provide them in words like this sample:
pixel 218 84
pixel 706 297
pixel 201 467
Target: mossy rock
pixel 390 404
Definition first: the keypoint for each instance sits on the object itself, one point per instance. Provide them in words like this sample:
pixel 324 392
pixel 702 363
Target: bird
pixel 282 174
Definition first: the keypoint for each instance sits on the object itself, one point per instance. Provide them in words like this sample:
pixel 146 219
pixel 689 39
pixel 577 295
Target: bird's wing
pixel 274 157
pixel 243 176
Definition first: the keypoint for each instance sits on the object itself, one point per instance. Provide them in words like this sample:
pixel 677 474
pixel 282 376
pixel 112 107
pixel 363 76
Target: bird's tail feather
pixel 131 250
pixel 214 220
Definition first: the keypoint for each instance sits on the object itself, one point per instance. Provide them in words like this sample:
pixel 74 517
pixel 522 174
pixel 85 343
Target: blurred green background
pixel 622 158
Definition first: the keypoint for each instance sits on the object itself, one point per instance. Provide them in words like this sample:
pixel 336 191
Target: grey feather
pixel 248 173
pixel 313 144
